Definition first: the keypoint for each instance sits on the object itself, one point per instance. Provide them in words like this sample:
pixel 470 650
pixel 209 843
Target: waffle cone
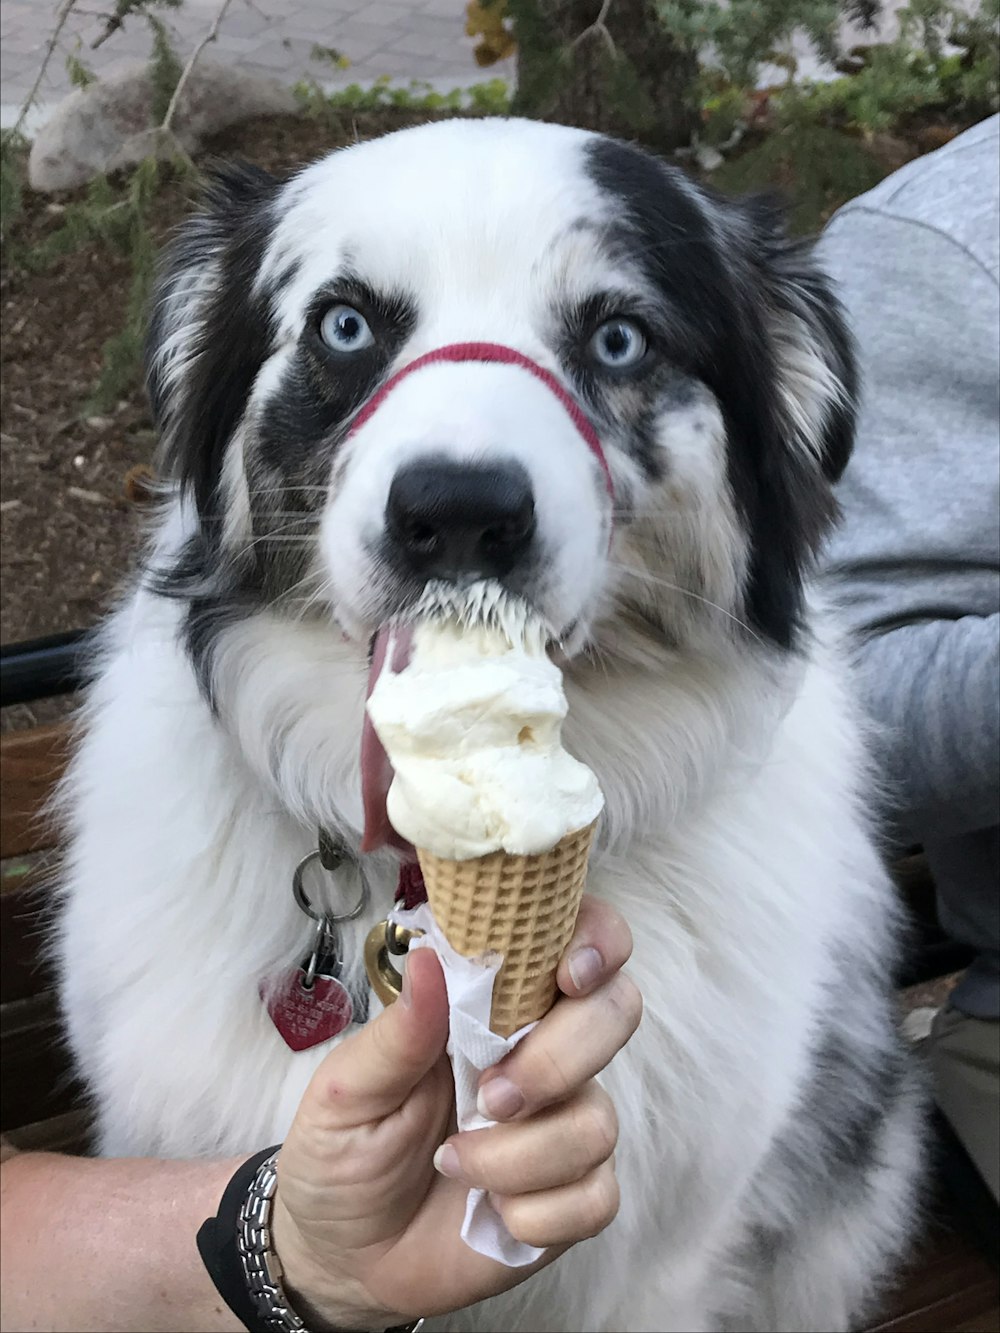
pixel 524 907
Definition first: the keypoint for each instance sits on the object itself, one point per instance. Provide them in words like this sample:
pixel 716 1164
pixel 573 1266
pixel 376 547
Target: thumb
pixel 370 1075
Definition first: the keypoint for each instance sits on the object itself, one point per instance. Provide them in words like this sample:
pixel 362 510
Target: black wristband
pixel 217 1246
pixel 220 1252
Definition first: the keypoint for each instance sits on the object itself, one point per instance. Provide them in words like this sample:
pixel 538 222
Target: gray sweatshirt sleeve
pixel 933 688
pixel 915 564
pixel 920 537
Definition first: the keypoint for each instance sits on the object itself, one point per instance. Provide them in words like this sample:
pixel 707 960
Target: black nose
pixel 447 519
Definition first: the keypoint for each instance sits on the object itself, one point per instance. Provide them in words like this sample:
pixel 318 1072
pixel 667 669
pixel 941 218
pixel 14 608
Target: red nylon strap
pixel 508 356
pixel 410 891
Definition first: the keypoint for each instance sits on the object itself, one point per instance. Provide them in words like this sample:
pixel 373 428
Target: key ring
pixel 302 898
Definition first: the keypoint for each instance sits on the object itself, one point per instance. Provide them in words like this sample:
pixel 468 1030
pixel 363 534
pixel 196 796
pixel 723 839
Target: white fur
pixel 732 845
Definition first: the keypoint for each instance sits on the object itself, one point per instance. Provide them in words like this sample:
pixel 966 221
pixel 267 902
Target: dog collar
pixel 499 354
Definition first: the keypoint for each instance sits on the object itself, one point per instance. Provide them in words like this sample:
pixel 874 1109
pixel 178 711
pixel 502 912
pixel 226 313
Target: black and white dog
pixel 770 1125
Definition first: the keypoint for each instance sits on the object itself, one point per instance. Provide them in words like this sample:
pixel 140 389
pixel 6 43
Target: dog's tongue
pixel 376 770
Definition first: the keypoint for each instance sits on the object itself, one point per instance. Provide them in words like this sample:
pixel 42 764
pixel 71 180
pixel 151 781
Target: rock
pixel 708 158
pixel 106 126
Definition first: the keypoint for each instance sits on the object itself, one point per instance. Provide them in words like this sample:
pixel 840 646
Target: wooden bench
pixel 950 1288
pixel 40 1102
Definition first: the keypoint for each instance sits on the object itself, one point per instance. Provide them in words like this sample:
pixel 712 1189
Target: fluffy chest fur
pixel 733 847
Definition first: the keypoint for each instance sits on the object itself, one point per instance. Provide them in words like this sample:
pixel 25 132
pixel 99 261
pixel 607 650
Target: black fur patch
pixel 725 273
pixel 220 250
pixel 208 286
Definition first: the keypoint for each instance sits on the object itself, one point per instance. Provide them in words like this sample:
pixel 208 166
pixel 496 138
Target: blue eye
pixel 619 344
pixel 345 329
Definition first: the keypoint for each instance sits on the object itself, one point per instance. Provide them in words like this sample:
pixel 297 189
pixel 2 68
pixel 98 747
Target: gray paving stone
pixel 227 44
pixel 396 17
pixel 404 38
pixel 422 45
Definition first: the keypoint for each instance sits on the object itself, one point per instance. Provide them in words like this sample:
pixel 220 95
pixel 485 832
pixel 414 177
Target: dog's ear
pixel 209 326
pixel 793 403
pixel 813 350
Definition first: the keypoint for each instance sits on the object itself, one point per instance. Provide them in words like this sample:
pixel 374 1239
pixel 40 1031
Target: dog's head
pixel 665 395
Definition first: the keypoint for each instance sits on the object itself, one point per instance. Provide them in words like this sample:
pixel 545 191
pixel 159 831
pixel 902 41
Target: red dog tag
pixel 307 1016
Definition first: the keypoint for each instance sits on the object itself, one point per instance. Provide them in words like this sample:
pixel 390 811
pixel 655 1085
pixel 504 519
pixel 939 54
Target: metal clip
pixel 384 939
pixel 324 956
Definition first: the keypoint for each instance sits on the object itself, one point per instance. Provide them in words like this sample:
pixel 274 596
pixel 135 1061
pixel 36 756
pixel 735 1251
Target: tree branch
pixel 598 28
pixel 115 22
pixel 210 36
pixel 63 14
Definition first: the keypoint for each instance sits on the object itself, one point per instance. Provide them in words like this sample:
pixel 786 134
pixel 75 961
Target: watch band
pixel 261 1266
pixel 235 1247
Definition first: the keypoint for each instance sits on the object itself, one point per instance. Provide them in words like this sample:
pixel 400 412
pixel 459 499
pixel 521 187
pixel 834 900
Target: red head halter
pixel 508 356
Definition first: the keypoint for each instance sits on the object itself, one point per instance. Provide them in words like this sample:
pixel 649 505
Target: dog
pixel 562 287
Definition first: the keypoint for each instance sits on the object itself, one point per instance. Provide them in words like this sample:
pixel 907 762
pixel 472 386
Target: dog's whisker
pixel 304 540
pixel 278 536
pixel 290 488
pixel 293 515
pixel 317 595
pixel 685 592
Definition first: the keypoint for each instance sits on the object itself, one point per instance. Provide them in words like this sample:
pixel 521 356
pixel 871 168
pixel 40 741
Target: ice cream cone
pixel 523 907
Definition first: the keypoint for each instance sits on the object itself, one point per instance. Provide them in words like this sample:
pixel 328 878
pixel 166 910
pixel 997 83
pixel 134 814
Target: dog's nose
pixel 449 519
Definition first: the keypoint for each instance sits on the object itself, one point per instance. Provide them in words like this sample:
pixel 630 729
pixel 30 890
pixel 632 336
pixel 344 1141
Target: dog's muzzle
pixel 449 519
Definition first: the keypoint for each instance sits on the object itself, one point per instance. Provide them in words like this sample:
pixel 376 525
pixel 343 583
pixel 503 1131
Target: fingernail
pixel 585 966
pixel 446 1161
pixel 406 993
pixel 499 1099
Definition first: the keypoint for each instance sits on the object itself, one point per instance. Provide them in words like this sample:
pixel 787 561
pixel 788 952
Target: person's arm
pixel 363 1196
pixel 109 1244
pixel 935 690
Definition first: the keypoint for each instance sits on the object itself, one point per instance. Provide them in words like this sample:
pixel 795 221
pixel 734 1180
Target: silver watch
pixel 261 1266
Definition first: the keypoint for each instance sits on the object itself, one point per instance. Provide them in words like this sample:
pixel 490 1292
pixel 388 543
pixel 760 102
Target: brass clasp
pixel 384 939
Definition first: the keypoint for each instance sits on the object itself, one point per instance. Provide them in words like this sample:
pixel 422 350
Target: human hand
pixel 367 1230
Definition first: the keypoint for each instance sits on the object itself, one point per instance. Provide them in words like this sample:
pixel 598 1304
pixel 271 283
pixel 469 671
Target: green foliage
pixel 329 55
pixel 121 355
pixel 79 75
pixel 814 143
pixel 13 150
pixel 723 110
pixel 164 69
pixel 102 217
pixel 116 214
pixel 911 76
pixel 818 168
pixel 489 98
pixel 735 39
pixel 746 34
pixel 892 83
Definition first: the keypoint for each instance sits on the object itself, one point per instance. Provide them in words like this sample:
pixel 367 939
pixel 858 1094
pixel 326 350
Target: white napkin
pixel 472 1048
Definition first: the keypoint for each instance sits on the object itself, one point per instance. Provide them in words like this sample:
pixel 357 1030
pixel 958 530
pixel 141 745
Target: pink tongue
pixel 376 770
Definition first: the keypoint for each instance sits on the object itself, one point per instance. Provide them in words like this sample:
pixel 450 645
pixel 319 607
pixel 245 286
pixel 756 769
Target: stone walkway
pixel 423 39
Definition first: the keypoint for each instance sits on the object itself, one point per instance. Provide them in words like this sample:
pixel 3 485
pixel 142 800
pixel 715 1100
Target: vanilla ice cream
pixel 472 727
